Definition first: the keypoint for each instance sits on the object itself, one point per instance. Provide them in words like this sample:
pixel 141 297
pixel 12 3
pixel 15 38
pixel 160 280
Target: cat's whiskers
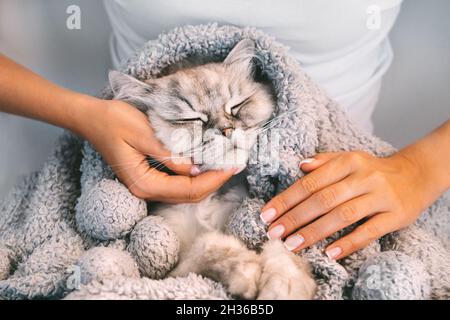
pixel 142 176
pixel 157 164
pixel 130 167
pixel 273 122
pixel 151 168
pixel 135 159
pixel 205 152
pixel 132 160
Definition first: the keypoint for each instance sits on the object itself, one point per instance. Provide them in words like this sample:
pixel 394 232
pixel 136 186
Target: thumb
pixel 310 164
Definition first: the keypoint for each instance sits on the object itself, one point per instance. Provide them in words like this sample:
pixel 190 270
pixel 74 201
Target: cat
pixel 213 113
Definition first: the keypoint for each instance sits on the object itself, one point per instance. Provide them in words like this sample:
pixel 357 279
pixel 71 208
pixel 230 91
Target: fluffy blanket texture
pixel 71 230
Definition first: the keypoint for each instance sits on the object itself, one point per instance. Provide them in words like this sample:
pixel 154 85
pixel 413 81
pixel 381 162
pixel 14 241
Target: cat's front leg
pixel 226 260
pixel 284 275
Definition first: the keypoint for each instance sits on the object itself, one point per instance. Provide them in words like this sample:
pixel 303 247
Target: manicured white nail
pixel 304 161
pixel 238 170
pixel 333 253
pixel 195 170
pixel 276 232
pixel 268 215
pixel 293 242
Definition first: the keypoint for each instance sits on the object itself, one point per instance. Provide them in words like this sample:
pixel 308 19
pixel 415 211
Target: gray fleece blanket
pixel 42 247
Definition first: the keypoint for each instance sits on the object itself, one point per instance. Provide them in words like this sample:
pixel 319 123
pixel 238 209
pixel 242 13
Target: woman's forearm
pixel 25 93
pixel 431 155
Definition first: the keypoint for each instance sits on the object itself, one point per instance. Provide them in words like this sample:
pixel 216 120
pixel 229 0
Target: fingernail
pixel 304 161
pixel 293 242
pixel 195 170
pixel 238 170
pixel 276 232
pixel 268 215
pixel 333 253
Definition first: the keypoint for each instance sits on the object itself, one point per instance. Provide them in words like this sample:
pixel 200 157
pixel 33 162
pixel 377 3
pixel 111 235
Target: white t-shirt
pixel 341 44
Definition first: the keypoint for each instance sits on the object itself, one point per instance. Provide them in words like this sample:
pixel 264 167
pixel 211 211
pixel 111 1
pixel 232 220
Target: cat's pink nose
pixel 227 132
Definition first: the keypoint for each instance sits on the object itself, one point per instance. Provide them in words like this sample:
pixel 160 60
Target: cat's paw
pixel 244 278
pixel 223 259
pixel 285 276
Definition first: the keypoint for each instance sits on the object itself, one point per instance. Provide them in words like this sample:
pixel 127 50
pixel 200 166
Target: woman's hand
pixel 120 132
pixel 387 194
pixel 124 137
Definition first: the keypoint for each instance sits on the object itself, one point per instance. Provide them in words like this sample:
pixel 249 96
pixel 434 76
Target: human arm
pixel 344 188
pixel 120 132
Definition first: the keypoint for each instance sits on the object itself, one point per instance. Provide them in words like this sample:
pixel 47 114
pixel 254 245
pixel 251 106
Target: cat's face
pixel 211 113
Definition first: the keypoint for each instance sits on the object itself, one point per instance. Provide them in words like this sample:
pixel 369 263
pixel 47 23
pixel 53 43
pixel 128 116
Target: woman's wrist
pixel 84 113
pixel 428 158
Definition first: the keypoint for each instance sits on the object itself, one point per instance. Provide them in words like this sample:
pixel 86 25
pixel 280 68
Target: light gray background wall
pixel 34 33
pixel 415 97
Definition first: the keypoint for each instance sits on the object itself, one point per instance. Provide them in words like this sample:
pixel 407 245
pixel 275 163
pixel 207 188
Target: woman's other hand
pixel 385 194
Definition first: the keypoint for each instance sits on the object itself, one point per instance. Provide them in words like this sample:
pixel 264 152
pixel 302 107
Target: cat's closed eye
pixel 234 110
pixel 187 120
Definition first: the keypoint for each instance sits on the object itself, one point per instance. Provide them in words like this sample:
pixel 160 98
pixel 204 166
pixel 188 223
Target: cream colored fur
pixel 228 107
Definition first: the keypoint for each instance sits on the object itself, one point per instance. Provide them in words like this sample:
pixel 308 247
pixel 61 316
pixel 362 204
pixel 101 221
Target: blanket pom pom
pixel 108 210
pixel 246 225
pixel 392 275
pixel 102 263
pixel 154 246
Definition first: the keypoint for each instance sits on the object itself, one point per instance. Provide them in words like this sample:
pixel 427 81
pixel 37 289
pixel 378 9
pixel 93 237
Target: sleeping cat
pixel 213 113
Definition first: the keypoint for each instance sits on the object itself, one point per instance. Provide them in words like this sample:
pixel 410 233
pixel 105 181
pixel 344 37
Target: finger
pixel 344 215
pixel 331 172
pixel 148 144
pixel 136 172
pixel 376 227
pixel 176 189
pixel 319 159
pixel 319 203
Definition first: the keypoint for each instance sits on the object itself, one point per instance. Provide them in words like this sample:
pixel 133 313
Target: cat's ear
pixel 132 90
pixel 241 56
